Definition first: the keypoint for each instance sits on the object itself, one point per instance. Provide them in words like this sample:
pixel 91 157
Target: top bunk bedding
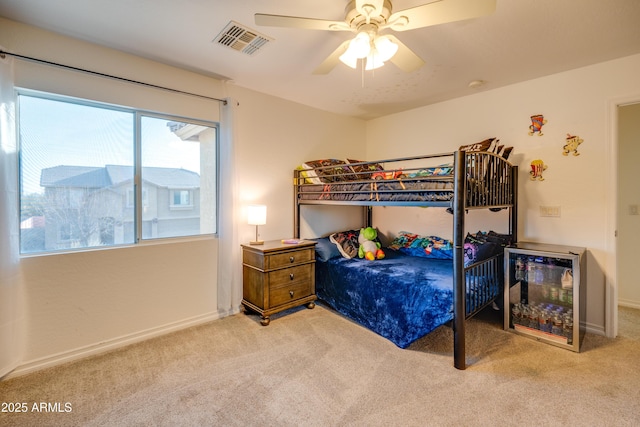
pixel 421 181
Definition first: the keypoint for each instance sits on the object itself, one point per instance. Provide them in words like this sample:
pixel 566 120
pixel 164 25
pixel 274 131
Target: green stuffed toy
pixel 368 248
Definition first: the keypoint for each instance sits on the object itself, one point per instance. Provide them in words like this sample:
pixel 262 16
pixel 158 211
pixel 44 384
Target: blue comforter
pixel 399 297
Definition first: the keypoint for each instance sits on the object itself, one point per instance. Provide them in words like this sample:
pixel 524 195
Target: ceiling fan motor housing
pixel 355 19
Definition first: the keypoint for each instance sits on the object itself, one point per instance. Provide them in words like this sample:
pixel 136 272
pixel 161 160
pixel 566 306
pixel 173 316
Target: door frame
pixel 611 215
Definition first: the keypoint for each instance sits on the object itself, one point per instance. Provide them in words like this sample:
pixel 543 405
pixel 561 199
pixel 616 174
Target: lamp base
pixel 257 242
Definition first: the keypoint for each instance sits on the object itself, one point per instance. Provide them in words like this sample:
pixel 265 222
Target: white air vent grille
pixel 241 38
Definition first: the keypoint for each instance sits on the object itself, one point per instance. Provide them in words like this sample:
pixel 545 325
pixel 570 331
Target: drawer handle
pixel 291 276
pixel 291 259
pixel 291 293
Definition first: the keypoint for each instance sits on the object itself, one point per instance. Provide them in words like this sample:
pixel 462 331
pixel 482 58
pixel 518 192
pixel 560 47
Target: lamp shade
pixel 373 61
pixel 256 214
pixel 385 47
pixel 348 60
pixel 358 48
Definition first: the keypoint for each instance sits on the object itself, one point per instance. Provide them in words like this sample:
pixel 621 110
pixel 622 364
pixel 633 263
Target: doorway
pixel 628 205
pixel 623 216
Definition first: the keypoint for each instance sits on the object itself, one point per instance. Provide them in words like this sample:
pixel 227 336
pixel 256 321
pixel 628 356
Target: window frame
pixel 131 199
pixel 140 201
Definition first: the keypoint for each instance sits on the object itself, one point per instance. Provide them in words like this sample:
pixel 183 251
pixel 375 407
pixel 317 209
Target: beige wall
pixel 81 303
pixel 628 197
pixel 275 136
pixel 575 102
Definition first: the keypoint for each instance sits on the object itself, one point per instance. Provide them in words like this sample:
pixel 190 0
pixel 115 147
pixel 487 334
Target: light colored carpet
pixel 315 368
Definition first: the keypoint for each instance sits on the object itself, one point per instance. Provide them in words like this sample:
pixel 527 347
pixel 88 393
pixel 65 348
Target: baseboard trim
pixel 112 344
pixel 594 329
pixel 629 303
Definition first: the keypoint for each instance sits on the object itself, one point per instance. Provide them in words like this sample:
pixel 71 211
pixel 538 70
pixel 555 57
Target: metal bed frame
pixel 480 180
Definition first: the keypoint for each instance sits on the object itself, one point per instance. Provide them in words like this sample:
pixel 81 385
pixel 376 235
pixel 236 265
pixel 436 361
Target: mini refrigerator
pixel 544 293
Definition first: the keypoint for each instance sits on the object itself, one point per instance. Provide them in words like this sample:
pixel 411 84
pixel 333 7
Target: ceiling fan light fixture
pixel 385 47
pixel 374 61
pixel 359 48
pixel 348 60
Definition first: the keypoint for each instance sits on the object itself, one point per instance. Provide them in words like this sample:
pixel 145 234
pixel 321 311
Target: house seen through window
pixel 181 198
pixel 79 165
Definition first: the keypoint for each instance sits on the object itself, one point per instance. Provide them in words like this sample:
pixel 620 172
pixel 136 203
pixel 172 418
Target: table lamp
pixel 257 215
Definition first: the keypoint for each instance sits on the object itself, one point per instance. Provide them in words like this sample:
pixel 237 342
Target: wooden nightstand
pixel 278 276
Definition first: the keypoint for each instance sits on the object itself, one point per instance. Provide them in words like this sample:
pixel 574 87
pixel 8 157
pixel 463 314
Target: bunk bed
pixel 474 177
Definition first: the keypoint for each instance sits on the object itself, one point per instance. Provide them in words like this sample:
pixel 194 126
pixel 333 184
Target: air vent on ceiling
pixel 241 38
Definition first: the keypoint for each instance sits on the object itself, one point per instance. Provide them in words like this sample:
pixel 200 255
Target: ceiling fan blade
pixel 405 58
pixel 299 22
pixel 332 60
pixel 439 12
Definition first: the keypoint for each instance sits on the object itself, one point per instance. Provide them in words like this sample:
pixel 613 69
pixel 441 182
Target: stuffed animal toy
pixel 368 248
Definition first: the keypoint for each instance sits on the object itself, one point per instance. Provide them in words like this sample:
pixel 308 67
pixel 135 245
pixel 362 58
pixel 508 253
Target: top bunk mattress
pixel 401 190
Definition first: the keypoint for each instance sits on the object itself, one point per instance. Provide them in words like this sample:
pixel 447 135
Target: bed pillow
pixel 483 245
pixel 477 250
pixel 326 249
pixel 501 239
pixel 364 171
pixel 339 172
pixel 500 150
pixel 347 242
pixel 309 175
pixel 404 239
pixel 478 146
pixel 422 246
pixel 440 170
pixel 505 152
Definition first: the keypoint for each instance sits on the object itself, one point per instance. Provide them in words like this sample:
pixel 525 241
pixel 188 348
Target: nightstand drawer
pixel 290 275
pixel 289 258
pixel 289 292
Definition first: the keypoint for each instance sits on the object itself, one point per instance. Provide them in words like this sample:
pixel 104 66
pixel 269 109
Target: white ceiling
pixel 523 39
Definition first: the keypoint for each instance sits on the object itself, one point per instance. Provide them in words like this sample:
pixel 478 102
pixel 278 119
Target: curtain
pixel 10 279
pixel 229 259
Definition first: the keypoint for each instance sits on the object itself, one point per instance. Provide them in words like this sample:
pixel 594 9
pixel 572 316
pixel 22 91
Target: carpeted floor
pixel 315 368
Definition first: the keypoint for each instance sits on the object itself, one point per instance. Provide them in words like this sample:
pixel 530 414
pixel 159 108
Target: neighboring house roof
pixel 33 222
pixel 112 175
pixel 73 176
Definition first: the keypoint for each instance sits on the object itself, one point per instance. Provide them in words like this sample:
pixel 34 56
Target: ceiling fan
pixel 367 17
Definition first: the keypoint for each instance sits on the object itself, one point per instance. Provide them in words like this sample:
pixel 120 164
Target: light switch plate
pixel 550 211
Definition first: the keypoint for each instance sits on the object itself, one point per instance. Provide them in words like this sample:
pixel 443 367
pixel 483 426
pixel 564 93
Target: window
pixel 181 199
pixel 131 198
pixel 79 165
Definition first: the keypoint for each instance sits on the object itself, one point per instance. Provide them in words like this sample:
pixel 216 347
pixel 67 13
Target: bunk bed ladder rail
pixel 477 285
pixel 296 207
pixel 459 290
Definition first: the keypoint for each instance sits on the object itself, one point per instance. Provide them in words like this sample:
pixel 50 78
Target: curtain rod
pixel 95 73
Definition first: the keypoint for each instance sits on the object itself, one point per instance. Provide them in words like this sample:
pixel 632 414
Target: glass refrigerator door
pixel 541 296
